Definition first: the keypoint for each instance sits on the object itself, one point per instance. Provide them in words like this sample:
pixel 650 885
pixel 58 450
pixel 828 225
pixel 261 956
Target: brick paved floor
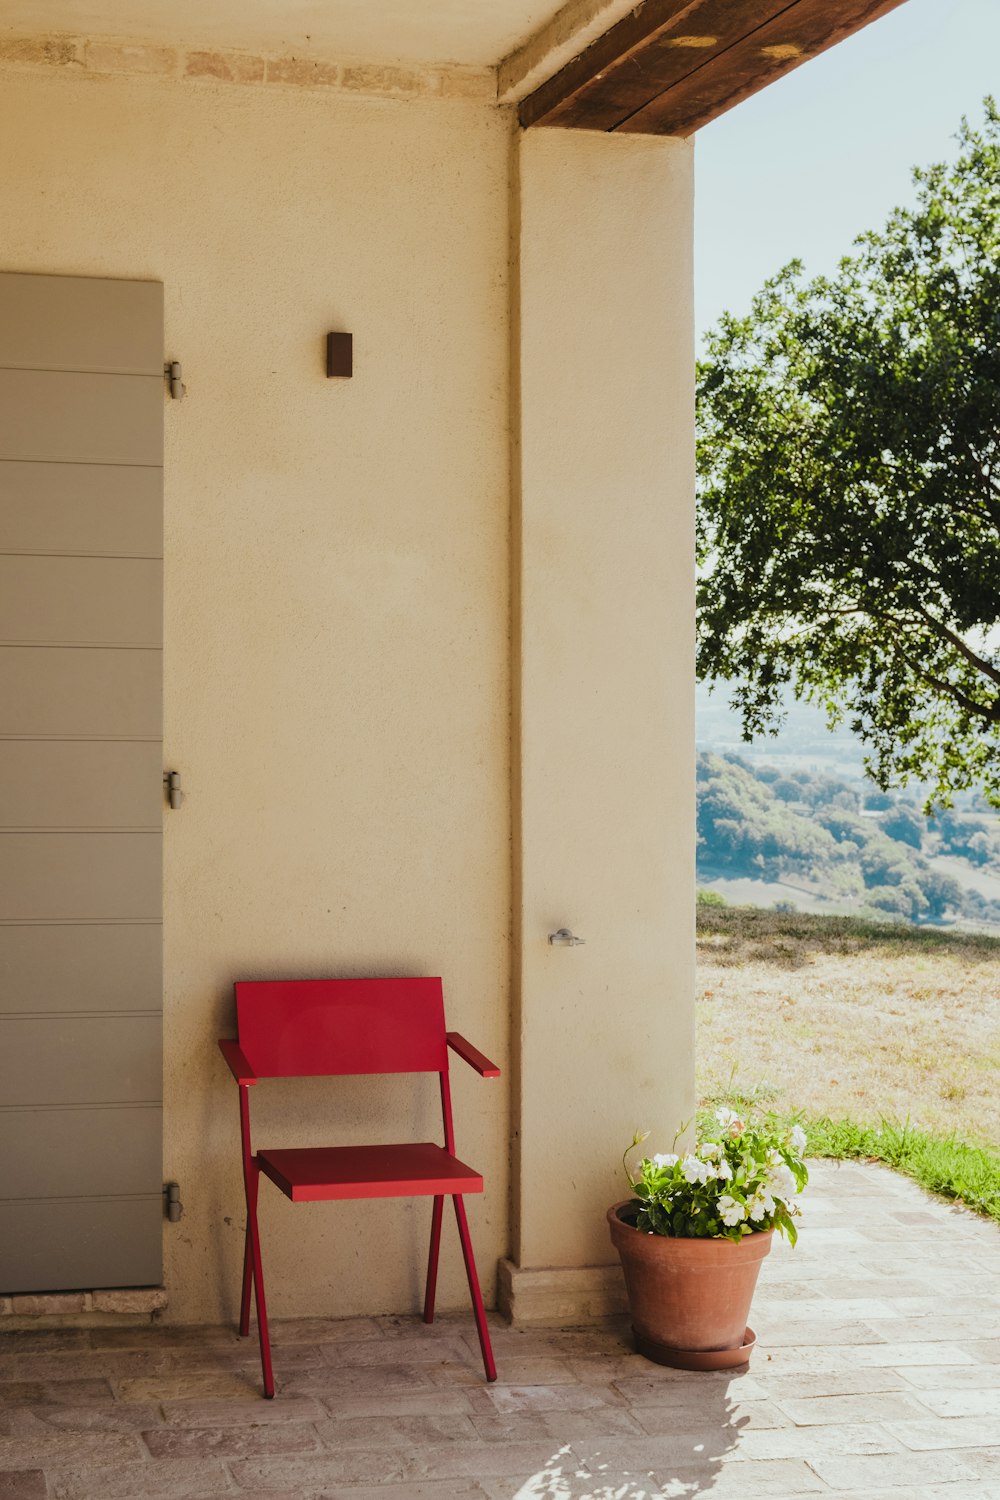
pixel 876 1377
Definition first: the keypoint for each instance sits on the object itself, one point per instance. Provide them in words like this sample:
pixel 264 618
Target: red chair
pixel 313 1028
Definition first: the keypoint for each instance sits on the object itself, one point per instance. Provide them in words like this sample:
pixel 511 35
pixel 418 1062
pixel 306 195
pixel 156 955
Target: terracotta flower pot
pixel 689 1299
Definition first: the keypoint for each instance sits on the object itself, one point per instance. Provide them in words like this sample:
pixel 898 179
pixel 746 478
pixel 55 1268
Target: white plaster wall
pixel 605 685
pixel 336 675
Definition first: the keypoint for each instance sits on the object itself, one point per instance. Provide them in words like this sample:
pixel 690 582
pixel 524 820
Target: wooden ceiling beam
pixel 671 66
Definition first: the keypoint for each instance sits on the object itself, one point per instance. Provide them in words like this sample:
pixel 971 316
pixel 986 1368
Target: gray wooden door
pixel 81 793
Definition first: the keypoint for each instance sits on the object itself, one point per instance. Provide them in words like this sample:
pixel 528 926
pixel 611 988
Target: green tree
pixel 905 824
pixel 849 487
pixel 710 898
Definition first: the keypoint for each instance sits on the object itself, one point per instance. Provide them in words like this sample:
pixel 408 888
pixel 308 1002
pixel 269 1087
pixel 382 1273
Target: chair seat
pixel 309 1173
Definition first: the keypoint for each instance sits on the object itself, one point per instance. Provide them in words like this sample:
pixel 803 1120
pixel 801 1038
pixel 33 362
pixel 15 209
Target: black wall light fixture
pixel 340 354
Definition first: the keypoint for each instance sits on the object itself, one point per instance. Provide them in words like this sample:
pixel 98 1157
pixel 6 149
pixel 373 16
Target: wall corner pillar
pixel 604 692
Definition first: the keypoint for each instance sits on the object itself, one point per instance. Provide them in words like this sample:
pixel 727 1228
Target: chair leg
pixel 432 1260
pixel 247 1284
pixel 253 1239
pixel 477 1296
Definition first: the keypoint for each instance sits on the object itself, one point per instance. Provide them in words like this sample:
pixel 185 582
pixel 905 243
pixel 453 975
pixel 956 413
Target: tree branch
pixel 988 713
pixel 978 662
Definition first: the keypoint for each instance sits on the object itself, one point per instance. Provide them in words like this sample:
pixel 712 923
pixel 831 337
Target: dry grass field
pixel 840 1017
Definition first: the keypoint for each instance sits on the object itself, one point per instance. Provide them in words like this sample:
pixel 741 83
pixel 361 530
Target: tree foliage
pixel 849 487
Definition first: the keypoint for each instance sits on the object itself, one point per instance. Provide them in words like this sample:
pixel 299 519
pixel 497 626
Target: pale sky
pixel 800 169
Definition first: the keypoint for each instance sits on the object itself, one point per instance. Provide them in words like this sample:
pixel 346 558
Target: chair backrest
pixel 308 1028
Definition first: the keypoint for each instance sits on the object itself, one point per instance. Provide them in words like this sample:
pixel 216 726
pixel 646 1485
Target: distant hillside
pixel 769 836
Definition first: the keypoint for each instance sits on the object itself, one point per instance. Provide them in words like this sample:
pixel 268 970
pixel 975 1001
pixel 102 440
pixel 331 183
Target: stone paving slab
pixel 29 1484
pixel 876 1377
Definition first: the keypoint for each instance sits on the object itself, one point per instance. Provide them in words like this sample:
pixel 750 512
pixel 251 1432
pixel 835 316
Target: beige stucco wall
pixel 368 582
pixel 336 674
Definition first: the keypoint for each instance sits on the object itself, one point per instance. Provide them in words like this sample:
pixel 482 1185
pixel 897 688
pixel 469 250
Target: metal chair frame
pixel 330 1028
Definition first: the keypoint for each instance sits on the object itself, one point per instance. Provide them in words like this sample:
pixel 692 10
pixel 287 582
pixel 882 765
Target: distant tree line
pixel 772 825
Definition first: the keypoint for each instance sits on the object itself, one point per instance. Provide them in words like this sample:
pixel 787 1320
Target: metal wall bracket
pixel 565 939
pixel 172 782
pixel 172 1205
pixel 175 379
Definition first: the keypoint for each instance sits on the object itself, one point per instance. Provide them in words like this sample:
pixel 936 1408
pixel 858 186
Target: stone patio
pixel 877 1374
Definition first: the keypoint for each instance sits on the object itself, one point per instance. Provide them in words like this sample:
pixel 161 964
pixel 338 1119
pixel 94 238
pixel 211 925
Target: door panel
pixel 112 1151
pixel 95 694
pixel 82 1060
pixel 100 877
pixel 82 966
pixel 62 1243
pixel 81 323
pixel 107 509
pixel 65 784
pixel 106 601
pixel 103 419
pixel 81 782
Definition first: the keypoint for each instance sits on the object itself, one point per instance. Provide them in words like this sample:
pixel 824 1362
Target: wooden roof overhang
pixel 671 66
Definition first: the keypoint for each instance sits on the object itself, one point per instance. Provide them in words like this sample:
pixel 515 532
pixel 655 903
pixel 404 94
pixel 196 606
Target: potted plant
pixel 694 1234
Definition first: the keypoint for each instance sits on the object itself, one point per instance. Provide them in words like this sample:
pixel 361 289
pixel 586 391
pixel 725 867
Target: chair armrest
pixel 238 1065
pixel 470 1054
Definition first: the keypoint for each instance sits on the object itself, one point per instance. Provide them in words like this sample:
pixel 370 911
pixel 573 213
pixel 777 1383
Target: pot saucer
pixel 696 1359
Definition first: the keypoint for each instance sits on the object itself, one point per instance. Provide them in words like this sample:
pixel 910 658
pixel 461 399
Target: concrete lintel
pixel 570 30
pixel 107 57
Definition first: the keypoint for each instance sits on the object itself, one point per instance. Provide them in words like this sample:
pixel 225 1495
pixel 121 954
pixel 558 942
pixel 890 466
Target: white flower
pixel 761 1204
pixel 730 1211
pixel 797 1140
pixel 781 1182
pixel 665 1159
pixel 709 1150
pixel 693 1170
pixel 725 1117
pixel 724 1171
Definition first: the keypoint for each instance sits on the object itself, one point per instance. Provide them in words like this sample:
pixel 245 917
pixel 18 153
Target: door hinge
pixel 175 379
pixel 172 782
pixel 172 1205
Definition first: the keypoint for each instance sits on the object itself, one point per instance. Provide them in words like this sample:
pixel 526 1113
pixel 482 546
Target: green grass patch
pixel 943 1165
pixel 741 1099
